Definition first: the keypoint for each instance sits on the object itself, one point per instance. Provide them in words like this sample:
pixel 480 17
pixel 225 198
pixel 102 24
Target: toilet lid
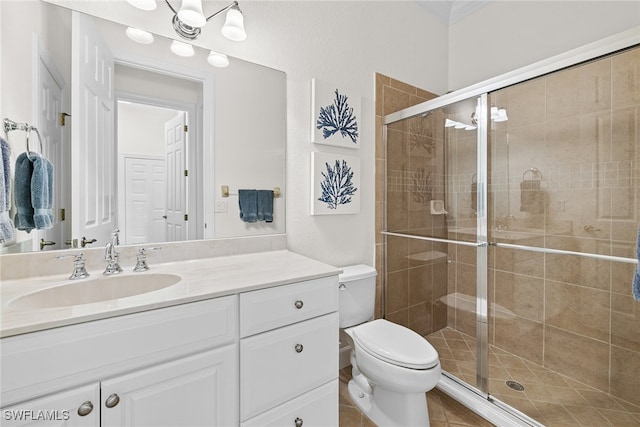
pixel 395 344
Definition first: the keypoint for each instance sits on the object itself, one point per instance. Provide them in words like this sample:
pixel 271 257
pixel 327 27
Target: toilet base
pixel 391 409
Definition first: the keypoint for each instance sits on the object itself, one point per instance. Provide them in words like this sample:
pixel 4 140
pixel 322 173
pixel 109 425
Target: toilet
pixel 392 366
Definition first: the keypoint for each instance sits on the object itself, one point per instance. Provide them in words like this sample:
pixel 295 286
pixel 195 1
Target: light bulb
pixel 191 14
pixel 233 27
pixel 182 49
pixel 138 35
pixel 143 4
pixel 218 59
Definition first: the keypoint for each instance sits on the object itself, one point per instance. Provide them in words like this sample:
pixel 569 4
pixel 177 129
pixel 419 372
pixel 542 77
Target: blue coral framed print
pixel 335 181
pixel 335 115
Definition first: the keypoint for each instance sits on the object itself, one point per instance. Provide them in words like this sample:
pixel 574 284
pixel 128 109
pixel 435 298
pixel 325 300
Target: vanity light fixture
pixel 218 59
pixel 181 48
pixel 140 36
pixel 189 19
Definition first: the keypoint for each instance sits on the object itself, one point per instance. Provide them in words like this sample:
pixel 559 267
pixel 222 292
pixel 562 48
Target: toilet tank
pixel 357 294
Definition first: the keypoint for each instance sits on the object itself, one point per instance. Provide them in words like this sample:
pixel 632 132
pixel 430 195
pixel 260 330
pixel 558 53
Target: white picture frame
pixel 335 115
pixel 335 181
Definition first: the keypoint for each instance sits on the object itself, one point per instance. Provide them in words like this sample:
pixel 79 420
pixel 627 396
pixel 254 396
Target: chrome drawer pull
pixel 299 304
pixel 299 422
pixel 85 408
pixel 112 401
pixel 299 348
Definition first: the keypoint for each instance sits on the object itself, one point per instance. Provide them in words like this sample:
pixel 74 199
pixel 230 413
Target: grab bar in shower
pixel 520 247
pixel 563 252
pixel 434 239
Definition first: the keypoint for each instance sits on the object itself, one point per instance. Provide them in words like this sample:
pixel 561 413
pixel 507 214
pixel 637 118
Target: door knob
pixel 85 408
pixel 112 401
pixel 299 348
pixel 84 242
pixel 298 422
pixel 299 304
pixel 44 243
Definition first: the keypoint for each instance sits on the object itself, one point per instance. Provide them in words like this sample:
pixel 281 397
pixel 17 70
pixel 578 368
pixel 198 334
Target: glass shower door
pixel 434 205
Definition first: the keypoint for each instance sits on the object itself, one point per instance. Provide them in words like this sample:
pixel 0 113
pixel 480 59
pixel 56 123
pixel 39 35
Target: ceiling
pixel 451 11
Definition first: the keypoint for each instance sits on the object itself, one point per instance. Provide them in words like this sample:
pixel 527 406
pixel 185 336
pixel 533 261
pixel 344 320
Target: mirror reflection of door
pixel 50 104
pixel 93 156
pixel 152 160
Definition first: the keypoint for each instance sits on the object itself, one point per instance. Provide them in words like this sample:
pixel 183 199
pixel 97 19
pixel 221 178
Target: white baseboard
pixel 345 353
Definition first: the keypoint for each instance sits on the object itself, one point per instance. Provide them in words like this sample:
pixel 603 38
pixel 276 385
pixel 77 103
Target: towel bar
pixel 225 192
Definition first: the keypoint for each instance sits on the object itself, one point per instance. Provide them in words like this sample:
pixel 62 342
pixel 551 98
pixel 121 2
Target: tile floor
pixel 548 397
pixel 443 411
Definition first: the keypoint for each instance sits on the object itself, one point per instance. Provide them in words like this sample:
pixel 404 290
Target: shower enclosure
pixel 510 229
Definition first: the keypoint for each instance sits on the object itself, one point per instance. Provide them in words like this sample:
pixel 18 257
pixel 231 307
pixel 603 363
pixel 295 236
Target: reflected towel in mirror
pixel 248 203
pixel 33 192
pixel 7 232
pixel 265 205
pixel 531 196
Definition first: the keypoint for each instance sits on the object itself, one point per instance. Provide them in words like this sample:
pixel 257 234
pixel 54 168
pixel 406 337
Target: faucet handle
pixel 115 236
pixel 79 270
pixel 141 258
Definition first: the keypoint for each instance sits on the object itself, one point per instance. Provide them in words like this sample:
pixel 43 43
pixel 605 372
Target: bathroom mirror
pixel 234 118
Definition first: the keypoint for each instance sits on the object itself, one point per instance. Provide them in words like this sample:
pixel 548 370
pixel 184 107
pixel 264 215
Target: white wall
pixel 506 35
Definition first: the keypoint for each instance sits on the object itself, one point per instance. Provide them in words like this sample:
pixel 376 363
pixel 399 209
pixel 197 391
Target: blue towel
pixel 7 232
pixel 33 192
pixel 265 205
pixel 42 193
pixel 248 201
pixel 636 276
pixel 22 193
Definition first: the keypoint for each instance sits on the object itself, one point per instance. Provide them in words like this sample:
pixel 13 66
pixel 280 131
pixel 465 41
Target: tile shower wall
pixel 416 274
pixel 580 128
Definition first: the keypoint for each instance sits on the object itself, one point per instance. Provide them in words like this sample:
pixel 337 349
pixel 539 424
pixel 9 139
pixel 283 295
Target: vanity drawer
pixel 317 408
pixel 282 364
pixel 272 308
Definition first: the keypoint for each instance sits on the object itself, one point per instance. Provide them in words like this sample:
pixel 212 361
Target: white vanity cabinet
pixel 289 355
pixel 78 407
pixel 177 366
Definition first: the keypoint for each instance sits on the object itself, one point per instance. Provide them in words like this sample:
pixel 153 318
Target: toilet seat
pixel 395 344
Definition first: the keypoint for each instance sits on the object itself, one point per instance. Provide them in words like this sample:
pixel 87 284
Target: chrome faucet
pixel 111 255
pixel 141 259
pixel 79 270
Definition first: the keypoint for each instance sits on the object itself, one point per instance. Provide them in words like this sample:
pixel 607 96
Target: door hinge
pixel 186 172
pixel 62 214
pixel 186 217
pixel 186 128
pixel 63 117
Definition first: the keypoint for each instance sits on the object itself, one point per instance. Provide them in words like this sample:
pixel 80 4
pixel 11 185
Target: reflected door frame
pixel 201 153
pixel 191 164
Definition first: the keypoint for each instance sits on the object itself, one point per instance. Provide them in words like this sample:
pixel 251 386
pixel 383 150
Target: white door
pixel 78 407
pixel 92 142
pixel 144 200
pixel 175 142
pixel 49 106
pixel 200 390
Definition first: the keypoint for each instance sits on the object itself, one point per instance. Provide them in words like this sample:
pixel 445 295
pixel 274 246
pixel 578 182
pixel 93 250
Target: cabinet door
pixel 200 390
pixel 79 407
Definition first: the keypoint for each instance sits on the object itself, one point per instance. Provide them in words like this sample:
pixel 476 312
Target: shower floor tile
pixel 548 397
pixel 443 410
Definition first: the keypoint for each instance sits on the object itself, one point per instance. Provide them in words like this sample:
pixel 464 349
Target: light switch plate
pixel 221 206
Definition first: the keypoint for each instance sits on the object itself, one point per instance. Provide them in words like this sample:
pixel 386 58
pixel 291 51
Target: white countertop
pixel 201 279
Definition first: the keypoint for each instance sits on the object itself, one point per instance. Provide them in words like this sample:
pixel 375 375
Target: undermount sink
pixel 91 290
